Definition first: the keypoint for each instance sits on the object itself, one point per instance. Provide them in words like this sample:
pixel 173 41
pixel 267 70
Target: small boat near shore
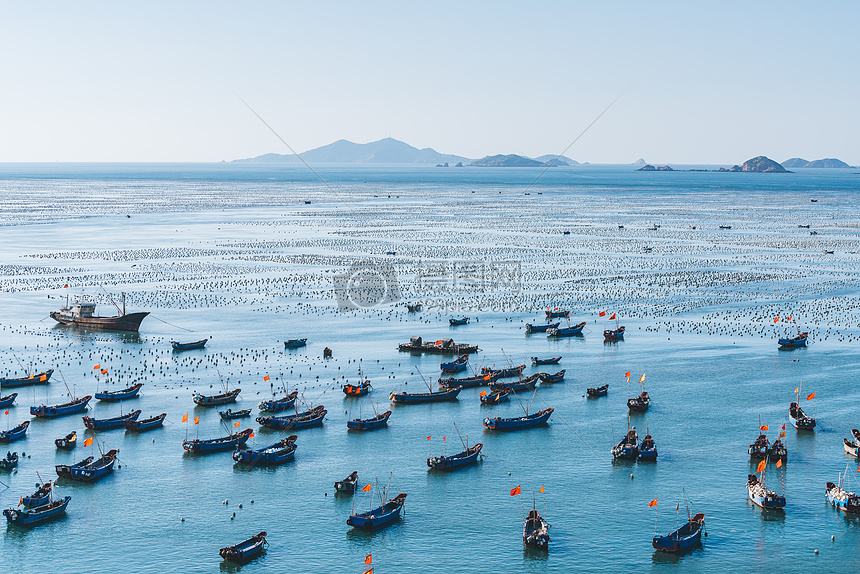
pixel 82 314
pixel 794 342
pixel 276 405
pixel 538 361
pixel 111 423
pixel 245 551
pixel 89 470
pixel 535 531
pixel 597 391
pixel 67 442
pixel 205 446
pixel 573 331
pixel 37 515
pixel 72 407
pixel 113 396
pixel 429 397
pixel 347 484
pixel 459 460
pixel 8 400
pixel 177 346
pixel 518 423
pixel 309 418
pixel 144 425
pixel 37 379
pixel 215 400
pixel 278 453
pixel 547 379
pixel 538 328
pixel 684 538
pixel 15 433
pixel 455 366
pixel 378 517
pixel 295 343
pixel 373 423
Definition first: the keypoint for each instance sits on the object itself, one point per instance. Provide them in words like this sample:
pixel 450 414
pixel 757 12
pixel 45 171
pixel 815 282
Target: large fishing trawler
pixel 82 314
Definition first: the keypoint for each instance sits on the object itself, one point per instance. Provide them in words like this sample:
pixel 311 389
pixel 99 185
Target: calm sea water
pixel 234 253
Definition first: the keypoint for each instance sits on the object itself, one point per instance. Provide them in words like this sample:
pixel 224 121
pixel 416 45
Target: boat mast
pixel 461 437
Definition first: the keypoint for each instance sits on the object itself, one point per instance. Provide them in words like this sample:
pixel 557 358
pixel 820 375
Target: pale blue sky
pixel 154 81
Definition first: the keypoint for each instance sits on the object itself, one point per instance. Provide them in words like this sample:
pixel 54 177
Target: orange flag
pixel 97 367
pixel 251 435
pixel 783 426
pixel 185 418
pixel 235 424
pixel 782 434
pixel 368 571
pixel 602 314
pixel 443 439
pixel 369 559
pixel 428 438
pixel 482 394
pixel 776 319
pixel 653 502
pixel 778 463
pixel 810 397
pixel 88 442
pixel 7 412
pixel 764 427
pixel 541 488
pixel 366 488
pixel 104 371
pixel 66 286
pixel 196 420
pixel 43 378
pixel 266 378
pixel 515 491
pixel 797 389
pixel 789 319
pixel 642 378
pixel 761 465
pixel 613 317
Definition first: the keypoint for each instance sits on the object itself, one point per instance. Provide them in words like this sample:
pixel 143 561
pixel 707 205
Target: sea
pixel 705 270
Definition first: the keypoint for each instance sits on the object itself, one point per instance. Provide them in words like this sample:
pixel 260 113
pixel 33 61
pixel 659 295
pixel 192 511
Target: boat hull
pixel 110 424
pixel 39 515
pixel 51 412
pixel 465 458
pixel 122 395
pixel 146 424
pixel 682 539
pixel 374 423
pixel 215 400
pixel 519 423
pixel 245 551
pixel 8 400
pixel 14 434
pixel 39 379
pixel 406 398
pixel 231 442
pixel 378 517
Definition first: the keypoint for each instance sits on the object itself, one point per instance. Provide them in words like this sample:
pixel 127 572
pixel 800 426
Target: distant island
pixel 828 162
pixel 758 164
pixel 649 167
pixel 512 160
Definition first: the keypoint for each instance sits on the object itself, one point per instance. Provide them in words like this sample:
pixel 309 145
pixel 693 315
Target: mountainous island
pixel 828 162
pixel 758 164
pixel 513 160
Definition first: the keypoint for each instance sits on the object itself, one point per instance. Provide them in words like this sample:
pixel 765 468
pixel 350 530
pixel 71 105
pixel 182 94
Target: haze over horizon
pixel 107 82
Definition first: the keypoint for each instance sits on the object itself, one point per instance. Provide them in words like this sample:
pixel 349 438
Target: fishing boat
pixel 554 378
pixel 573 331
pixel 9 461
pixel 461 459
pixel 640 403
pixel 295 343
pixel 613 334
pixel 359 390
pixel 245 551
pixel 455 366
pixel 799 419
pixel 15 433
pixel 503 373
pixel 37 379
pixel 7 400
pixel 416 308
pixel 597 391
pixel 177 346
pixel 794 342
pixel 852 447
pixel 847 502
pixel 145 424
pixel 378 517
pixel 306 419
pixel 497 396
pixel 230 414
pixel 466 382
pixel 682 539
pixel 278 453
pixel 552 314
pixel 89 470
pixel 627 447
pixel 214 400
pixel 430 397
pixel 535 531
pixel 82 314
pixel 553 361
pixel 37 515
pixel 647 449
pixel 759 449
pixel 278 405
pixel 68 442
pixel 40 497
pixel 526 384
pixel 111 423
pixel 348 483
pixel 778 451
pixel 75 406
pixel 372 423
pixel 112 396
pixel 767 499
pixel 440 347
pixel 231 442
pixel 530 328
pixel 517 423
pixel 456 322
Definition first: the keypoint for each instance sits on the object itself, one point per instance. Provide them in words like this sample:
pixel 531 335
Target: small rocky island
pixel 649 167
pixel 828 162
pixel 758 164
pixel 510 160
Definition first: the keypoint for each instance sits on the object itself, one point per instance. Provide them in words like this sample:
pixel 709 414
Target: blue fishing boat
pixel 536 531
pixel 8 400
pixel 573 331
pixel 794 342
pixel 799 419
pixel 177 346
pixel 145 424
pixel 541 328
pixel 214 400
pixel 597 391
pixel 840 499
pixel 69 408
pixel 37 515
pixel 495 397
pixel 682 539
pixel 456 322
pixel 295 343
pixel 278 405
pixel 613 334
pixel 37 379
pixel 518 423
pixel 759 448
pixel 459 460
pixel 112 396
pixel 347 484
pixel 205 446
pixel 9 461
pixel 552 314
pixel 15 433
pixel 230 414
pixel 306 419
pixel 68 442
pixel 639 404
pixel 503 373
pixel 456 366
pixel 41 497
pixel 378 517
pixel 647 449
pixel 767 499
pixel 554 378
pixel 359 390
pixel 278 453
pixel 111 423
pixel 627 447
pixel 372 423
pixel 245 551
pixel 431 397
pixel 552 361
pixel 526 384
pixel 89 470
pixel 466 382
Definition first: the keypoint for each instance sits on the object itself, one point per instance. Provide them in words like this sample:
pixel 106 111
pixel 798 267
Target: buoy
pixel 816 550
pixel 631 476
pixel 832 538
pixel 181 520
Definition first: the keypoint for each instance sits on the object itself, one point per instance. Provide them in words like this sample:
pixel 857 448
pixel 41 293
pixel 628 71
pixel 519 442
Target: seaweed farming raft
pixel 440 347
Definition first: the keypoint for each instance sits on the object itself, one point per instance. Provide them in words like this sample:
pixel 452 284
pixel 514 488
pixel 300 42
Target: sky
pixel 699 83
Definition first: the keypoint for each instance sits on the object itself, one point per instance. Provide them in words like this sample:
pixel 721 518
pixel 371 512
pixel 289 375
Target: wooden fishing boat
pixel 214 400
pixel 416 308
pixel 440 347
pixel 554 378
pixel 309 418
pixel 639 404
pixel 89 470
pixel 597 391
pixel 627 447
pixel 573 331
pixel 40 497
pixel 231 442
pixel 111 423
pixel 82 314
pixel 327 353
pixel 553 361
pixel 613 334
pixel 761 496
pixel 459 460
pixel 682 539
pixel 37 379
pixel 455 366
pixel 245 551
pixel 794 342
pixel 841 499
pixel 496 397
pixel 112 396
pixel 759 449
pixel 799 419
pixel 526 384
pixel 295 343
pixel 278 453
pixel 456 322
pixel 778 450
pixel 7 400
pixel 230 414
pixel 647 449
pixel 145 424
pixel 431 397
pixel 466 382
pixel 15 433
pixel 68 442
pixel 9 461
pixel 552 314
pixel 378 517
pixel 177 346
pixel 535 531
pixel 530 328
pixel 278 405
pixel 37 515
pixel 348 483
pixel 372 423
pixel 852 447
pixel 358 390
pixel 503 373
pixel 69 408
pixel 517 423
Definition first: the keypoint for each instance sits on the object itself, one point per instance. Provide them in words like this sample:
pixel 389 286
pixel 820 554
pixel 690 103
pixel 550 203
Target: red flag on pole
pixel 266 378
pixel 602 314
pixel 88 441
pixel 185 418
pixel 515 491
pixel 613 317
pixel 764 427
pixel 653 502
pixel 810 397
pixel 369 559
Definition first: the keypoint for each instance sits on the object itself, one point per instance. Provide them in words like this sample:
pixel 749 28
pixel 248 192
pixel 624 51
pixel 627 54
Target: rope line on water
pixel 564 422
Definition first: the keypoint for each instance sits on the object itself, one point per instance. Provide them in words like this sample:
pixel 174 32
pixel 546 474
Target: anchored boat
pixel 348 483
pixel 113 396
pixel 378 517
pixel 278 453
pixel 245 551
pixel 75 406
pixel 37 379
pixel 536 531
pixel 377 422
pixel 37 515
pixel 517 423
pixel 278 405
pixel 214 400
pixel 177 346
pixel 206 446
pixel 15 433
pixel 82 314
pixel 112 423
pixel 89 470
pixel 145 424
pixel 682 539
